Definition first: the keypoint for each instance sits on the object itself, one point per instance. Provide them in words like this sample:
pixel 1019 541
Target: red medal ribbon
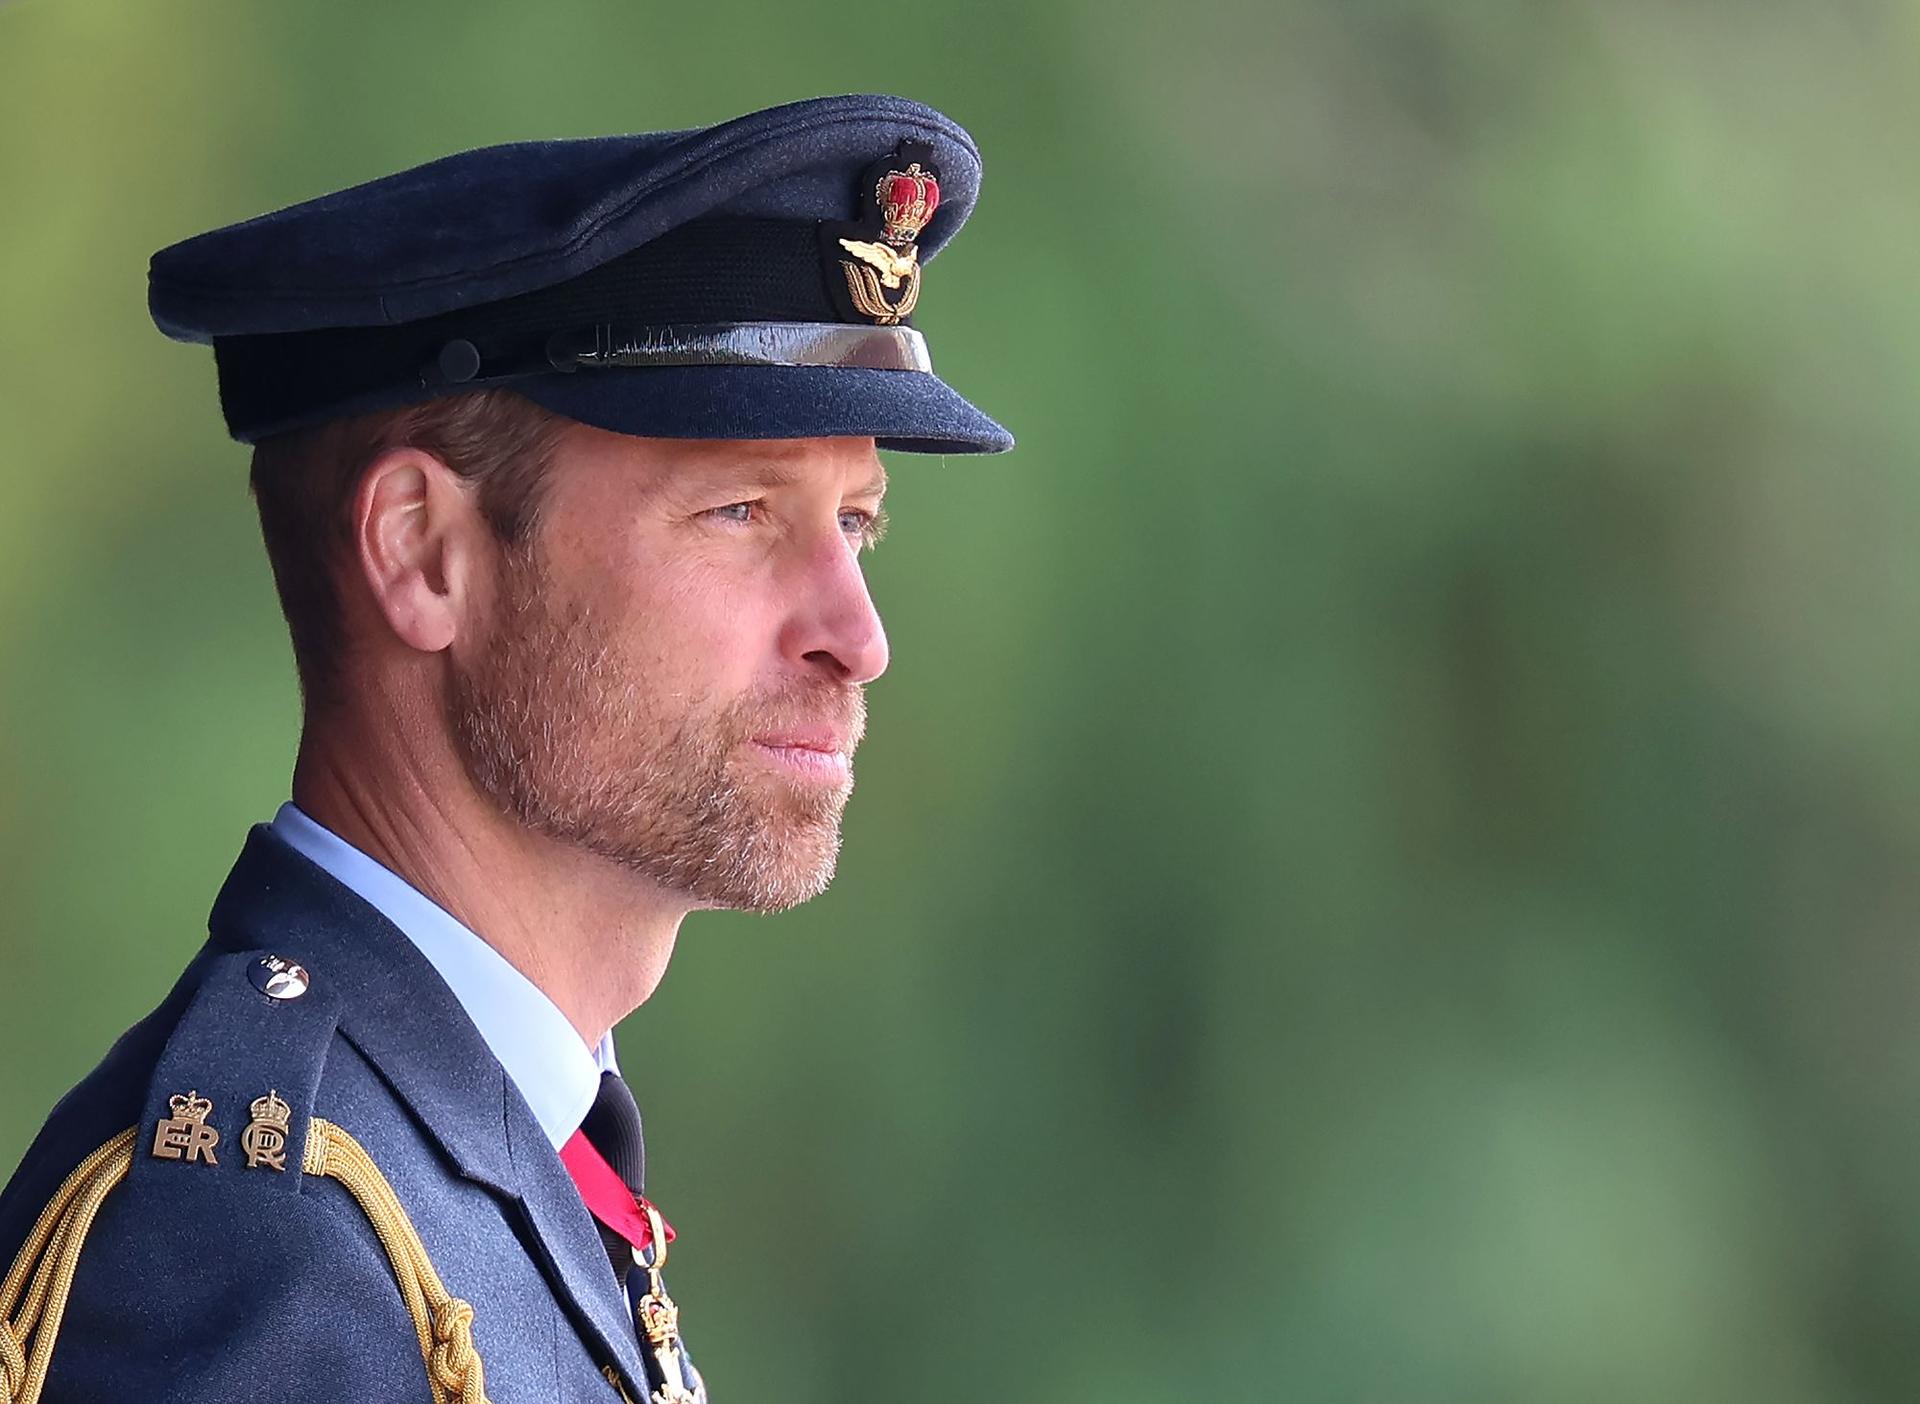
pixel 607 1196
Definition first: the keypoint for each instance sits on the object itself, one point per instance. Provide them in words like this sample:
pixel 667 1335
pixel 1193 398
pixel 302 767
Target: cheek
pixel 696 612
pixel 703 625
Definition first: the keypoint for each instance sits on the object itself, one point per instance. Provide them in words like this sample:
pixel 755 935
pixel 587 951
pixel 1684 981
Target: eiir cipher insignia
pixel 185 1135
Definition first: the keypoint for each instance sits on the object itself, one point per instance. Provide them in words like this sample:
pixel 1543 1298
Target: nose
pixel 833 627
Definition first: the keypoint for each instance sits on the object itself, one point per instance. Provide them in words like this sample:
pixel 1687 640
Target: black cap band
pixel 459 364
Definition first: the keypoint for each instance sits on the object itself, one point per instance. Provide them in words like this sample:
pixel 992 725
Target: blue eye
pixel 865 527
pixel 869 527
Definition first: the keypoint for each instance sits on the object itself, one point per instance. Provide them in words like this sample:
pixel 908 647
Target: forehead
pixel 675 466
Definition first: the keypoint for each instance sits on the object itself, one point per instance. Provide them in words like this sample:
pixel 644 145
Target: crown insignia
pixel 907 200
pixel 271 1111
pixel 265 1139
pixel 192 1107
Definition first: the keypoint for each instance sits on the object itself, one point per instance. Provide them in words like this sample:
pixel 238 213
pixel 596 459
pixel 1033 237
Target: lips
pixel 822 739
pixel 805 724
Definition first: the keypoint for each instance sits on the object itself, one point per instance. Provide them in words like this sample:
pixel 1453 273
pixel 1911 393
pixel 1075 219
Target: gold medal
pixel 659 1321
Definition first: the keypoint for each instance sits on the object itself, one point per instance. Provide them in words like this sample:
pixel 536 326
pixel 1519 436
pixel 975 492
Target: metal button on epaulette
pixel 278 978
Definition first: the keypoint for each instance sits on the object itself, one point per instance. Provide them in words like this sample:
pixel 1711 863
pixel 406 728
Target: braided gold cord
pixel 443 1321
pixel 33 1297
pixel 51 1254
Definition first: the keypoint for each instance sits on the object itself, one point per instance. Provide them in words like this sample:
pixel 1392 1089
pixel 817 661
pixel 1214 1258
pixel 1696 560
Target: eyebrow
pixel 775 472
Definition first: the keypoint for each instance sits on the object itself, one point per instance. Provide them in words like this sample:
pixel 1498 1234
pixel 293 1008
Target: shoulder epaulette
pixel 231 1100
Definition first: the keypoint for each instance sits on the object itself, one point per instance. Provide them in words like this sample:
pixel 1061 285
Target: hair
pixel 304 484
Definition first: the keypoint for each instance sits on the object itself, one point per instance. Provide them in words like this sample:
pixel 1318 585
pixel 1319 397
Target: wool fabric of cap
pixel 753 279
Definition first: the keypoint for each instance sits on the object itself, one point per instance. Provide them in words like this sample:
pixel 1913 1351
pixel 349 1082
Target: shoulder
pixel 239 1027
pixel 193 1218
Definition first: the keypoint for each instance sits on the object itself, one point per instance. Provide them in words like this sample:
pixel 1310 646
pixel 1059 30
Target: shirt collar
pixel 557 1074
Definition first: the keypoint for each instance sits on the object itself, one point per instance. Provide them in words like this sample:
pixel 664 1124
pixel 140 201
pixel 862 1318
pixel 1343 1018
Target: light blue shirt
pixel 542 1052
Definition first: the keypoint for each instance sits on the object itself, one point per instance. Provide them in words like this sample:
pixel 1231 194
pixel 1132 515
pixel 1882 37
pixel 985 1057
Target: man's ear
pixel 419 541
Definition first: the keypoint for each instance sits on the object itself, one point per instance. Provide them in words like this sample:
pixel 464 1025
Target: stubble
pixel 560 724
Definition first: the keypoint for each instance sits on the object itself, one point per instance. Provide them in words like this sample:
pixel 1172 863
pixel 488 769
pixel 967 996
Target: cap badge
pixel 185 1135
pixel 883 276
pixel 265 1139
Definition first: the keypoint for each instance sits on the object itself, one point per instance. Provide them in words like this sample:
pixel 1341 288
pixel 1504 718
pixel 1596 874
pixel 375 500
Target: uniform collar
pixel 550 1064
pixel 401 1015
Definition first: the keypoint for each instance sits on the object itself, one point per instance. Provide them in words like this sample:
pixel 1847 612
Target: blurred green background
pixel 1385 863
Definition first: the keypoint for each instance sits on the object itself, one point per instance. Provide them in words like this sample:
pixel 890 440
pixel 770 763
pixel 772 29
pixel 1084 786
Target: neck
pixel 592 935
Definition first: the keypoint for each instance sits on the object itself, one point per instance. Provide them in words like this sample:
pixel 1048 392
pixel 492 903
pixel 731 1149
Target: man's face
pixel 670 675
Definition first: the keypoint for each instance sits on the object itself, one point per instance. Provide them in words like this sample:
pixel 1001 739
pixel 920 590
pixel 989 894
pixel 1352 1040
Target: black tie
pixel 613 1126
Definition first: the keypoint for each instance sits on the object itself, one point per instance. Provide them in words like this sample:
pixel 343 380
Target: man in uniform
pixel 565 456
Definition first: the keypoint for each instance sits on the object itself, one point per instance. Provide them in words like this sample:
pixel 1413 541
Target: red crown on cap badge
pixel 907 200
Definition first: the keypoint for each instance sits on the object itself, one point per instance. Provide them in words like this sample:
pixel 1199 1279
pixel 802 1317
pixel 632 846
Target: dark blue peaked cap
pixel 751 280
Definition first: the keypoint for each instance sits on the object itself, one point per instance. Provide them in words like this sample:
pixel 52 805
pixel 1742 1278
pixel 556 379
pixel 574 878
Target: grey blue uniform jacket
pixel 222 1281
